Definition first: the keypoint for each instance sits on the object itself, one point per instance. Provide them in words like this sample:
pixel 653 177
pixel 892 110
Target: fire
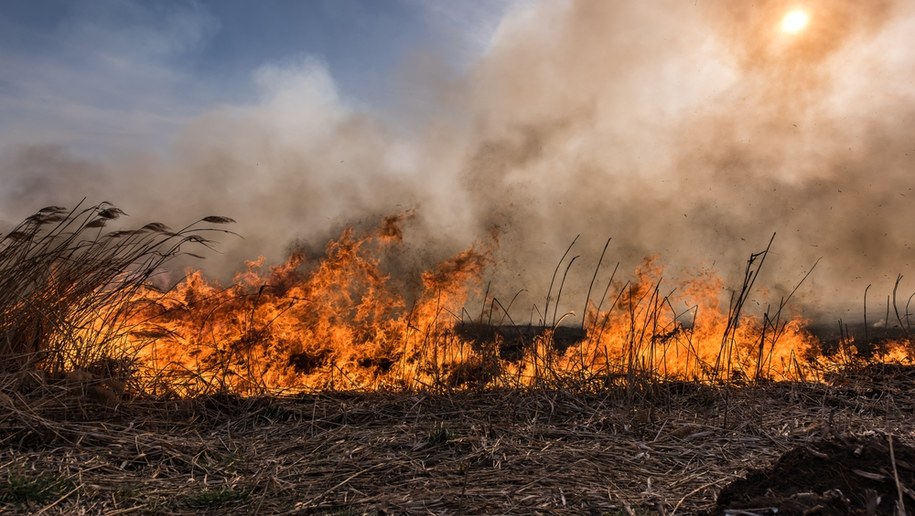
pixel 644 332
pixel 339 321
pixel 307 324
pixel 344 319
pixel 795 21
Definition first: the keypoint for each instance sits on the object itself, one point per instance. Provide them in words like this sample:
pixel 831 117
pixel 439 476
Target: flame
pixel 332 323
pixel 645 332
pixel 339 321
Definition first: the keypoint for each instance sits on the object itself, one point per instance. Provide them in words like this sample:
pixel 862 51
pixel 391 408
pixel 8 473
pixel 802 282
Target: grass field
pixel 666 448
pixel 315 387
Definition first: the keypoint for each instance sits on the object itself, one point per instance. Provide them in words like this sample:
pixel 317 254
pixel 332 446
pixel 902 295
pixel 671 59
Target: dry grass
pixel 66 283
pixel 515 451
pixel 78 437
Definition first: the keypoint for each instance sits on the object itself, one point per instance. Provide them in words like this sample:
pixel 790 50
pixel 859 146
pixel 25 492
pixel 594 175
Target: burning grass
pixel 69 288
pixel 78 301
pixel 321 385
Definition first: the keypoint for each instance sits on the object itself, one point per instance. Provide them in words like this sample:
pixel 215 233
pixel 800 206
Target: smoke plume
pixel 688 130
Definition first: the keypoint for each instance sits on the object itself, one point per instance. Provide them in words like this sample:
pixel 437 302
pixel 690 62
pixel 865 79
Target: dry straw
pixel 66 282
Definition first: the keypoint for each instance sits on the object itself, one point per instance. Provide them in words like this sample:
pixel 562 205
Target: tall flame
pixel 340 323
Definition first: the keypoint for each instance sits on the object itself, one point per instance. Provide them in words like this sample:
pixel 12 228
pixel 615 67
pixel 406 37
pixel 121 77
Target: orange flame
pixel 340 323
pixel 337 323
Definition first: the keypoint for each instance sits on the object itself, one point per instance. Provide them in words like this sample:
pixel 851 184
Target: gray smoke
pixel 687 130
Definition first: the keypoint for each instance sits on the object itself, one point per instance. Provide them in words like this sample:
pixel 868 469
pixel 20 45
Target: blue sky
pixel 97 75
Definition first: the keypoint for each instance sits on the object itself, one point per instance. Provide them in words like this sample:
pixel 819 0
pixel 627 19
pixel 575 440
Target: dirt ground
pixel 642 448
pixel 836 476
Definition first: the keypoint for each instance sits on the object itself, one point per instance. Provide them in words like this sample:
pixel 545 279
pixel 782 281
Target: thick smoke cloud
pixel 687 130
pixel 696 130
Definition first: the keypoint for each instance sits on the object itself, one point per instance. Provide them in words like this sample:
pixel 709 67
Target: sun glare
pixel 795 21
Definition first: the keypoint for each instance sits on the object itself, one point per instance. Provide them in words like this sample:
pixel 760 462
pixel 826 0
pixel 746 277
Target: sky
pixel 690 131
pixel 115 75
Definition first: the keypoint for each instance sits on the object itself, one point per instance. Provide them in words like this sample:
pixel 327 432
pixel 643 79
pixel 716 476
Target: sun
pixel 795 21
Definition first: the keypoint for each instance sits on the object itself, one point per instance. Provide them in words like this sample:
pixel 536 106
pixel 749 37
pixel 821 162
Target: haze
pixel 691 131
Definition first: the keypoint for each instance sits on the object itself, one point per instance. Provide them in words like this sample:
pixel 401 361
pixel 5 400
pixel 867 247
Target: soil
pixel 837 476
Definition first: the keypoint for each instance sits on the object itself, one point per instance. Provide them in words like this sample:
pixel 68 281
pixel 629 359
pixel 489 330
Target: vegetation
pixel 66 284
pixel 315 386
pixel 20 488
pixel 213 498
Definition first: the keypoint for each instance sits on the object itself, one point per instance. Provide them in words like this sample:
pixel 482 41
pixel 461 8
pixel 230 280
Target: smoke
pixel 696 130
pixel 688 130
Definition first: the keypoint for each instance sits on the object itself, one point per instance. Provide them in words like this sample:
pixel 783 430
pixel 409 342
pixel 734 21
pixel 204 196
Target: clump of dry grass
pixel 66 284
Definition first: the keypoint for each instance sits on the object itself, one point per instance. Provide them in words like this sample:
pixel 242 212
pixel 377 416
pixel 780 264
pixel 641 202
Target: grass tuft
pixel 216 497
pixel 66 285
pixel 19 488
pixel 440 436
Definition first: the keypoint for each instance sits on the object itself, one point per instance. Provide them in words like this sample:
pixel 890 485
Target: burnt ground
pixel 640 448
pixel 842 475
pixel 867 340
pixel 513 340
